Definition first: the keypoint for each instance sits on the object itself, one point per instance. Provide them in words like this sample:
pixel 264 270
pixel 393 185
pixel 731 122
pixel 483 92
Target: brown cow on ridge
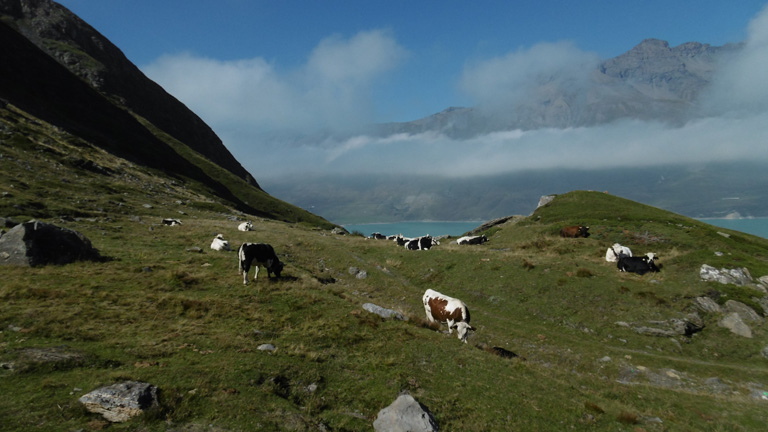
pixel 575 231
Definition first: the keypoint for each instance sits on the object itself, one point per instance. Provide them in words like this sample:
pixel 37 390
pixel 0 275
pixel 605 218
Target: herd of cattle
pixel 438 307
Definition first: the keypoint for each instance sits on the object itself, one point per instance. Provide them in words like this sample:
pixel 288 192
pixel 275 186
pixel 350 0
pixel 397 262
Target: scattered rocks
pixel 405 414
pixel 55 358
pixel 746 313
pixel 669 328
pixel 736 325
pixel 120 402
pixel 266 347
pixel 356 272
pixel 36 243
pixel 706 304
pixel 384 312
pixel 739 277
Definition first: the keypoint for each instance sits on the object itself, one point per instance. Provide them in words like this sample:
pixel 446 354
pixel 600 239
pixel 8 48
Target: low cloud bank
pixel 624 144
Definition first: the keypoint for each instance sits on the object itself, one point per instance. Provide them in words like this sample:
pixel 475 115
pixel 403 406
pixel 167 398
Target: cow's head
pixel 584 231
pixel 276 268
pixel 462 330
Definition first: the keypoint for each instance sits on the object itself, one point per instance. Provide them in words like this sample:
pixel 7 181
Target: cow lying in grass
pixel 617 251
pixel 640 265
pixel 575 231
pixel 258 254
pixel 220 244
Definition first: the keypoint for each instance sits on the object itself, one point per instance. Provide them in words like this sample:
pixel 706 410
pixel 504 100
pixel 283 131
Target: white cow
pixel 472 240
pixel 245 226
pixel 220 244
pixel 613 253
pixel 441 308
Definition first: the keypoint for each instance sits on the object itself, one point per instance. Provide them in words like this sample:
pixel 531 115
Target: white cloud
pixel 740 86
pixel 623 144
pixel 331 91
pixel 521 76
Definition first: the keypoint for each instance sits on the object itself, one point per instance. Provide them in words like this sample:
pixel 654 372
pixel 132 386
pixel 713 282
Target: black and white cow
pixel 421 243
pixel 171 222
pixel 472 240
pixel 258 254
pixel 640 265
pixel 245 226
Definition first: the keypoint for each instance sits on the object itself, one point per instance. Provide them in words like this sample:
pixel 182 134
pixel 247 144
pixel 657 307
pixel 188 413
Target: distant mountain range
pixel 652 81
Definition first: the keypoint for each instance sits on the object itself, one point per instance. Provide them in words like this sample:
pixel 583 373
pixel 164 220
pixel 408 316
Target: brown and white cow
pixel 575 231
pixel 444 309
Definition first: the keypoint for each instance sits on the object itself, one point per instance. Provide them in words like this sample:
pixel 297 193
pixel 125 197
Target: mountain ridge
pixel 55 81
pixel 91 56
pixel 651 81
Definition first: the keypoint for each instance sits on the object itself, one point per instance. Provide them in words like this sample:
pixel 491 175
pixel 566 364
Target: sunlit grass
pixel 159 311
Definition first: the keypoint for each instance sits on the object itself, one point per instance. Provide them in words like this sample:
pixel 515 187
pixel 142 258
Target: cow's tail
pixel 240 259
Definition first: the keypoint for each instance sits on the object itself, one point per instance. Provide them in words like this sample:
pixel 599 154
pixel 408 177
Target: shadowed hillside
pixel 66 80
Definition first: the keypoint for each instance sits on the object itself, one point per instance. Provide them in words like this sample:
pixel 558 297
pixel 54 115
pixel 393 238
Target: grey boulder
pixel 36 243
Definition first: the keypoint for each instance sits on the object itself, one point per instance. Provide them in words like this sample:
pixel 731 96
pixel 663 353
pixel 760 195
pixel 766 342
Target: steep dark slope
pixel 109 104
pixel 88 54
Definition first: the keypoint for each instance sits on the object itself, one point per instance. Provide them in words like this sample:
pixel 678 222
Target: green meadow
pixel 158 310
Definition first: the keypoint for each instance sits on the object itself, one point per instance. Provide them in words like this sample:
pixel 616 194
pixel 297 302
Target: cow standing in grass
pixel 444 309
pixel 258 254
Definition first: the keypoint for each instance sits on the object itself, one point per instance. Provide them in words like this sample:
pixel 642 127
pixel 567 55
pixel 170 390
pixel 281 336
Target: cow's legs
pixel 450 326
pixel 256 274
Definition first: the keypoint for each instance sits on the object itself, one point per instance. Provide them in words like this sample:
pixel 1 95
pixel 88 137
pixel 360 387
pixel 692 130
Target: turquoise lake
pixel 755 226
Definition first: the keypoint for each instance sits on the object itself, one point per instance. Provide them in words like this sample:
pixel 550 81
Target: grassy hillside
pixel 158 311
pixel 49 173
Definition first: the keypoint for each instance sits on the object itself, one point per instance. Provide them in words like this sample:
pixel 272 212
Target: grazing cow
pixel 220 244
pixel 259 254
pixel 378 236
pixel 171 222
pixel 245 226
pixel 639 265
pixel 472 240
pixel 575 231
pixel 616 251
pixel 421 243
pixel 444 309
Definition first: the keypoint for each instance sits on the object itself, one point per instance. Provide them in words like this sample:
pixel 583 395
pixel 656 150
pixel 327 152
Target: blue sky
pixel 253 69
pixel 438 38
